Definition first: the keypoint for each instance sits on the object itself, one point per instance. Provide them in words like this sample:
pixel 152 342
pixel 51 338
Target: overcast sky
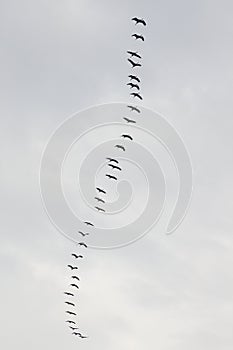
pixel 163 292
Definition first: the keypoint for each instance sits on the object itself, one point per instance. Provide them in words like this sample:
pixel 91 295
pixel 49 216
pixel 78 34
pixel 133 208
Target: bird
pixel 134 64
pixel 134 77
pixel 126 136
pixel 88 223
pixel 80 335
pixel 83 336
pixel 69 303
pixel 77 256
pixel 135 94
pixel 133 86
pixel 74 285
pixel 71 322
pixel 133 108
pixel 82 244
pixel 83 234
pixel 111 177
pixel 129 120
pixel 139 21
pixel 114 167
pixel 71 313
pixel 100 190
pixel 112 160
pixel 100 209
pixel 134 54
pixel 73 267
pixel 69 294
pixel 120 147
pixel 99 200
pixel 73 328
pixel 138 37
pixel 76 278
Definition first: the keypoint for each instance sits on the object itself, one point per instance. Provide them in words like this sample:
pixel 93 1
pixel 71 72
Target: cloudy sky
pixel 164 292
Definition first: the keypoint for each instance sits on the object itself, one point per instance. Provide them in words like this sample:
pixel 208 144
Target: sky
pixel 163 292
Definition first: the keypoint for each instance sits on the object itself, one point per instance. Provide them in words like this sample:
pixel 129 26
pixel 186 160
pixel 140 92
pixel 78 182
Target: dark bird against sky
pixel 132 86
pixel 100 209
pixel 129 120
pixel 71 313
pixel 112 160
pixel 134 109
pixel 77 256
pixel 73 267
pixel 134 54
pixel 82 244
pixel 74 285
pixel 88 223
pixel 134 77
pixel 75 278
pixel 83 234
pixel 69 303
pixel 100 190
pixel 112 177
pixel 114 167
pixel 126 136
pixel 139 21
pixel 134 64
pixel 138 37
pixel 69 294
pixel 71 322
pixel 120 147
pixel 136 95
pixel 99 200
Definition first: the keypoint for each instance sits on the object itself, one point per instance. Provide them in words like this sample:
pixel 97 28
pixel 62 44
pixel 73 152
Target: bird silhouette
pixel 138 37
pixel 139 21
pixel 99 200
pixel 73 328
pixel 69 294
pixel 100 190
pixel 134 64
pixel 129 120
pixel 73 267
pixel 88 223
pixel 82 244
pixel 69 303
pixel 75 278
pixel 135 109
pixel 126 136
pixel 70 322
pixel 120 147
pixel 100 209
pixel 71 313
pixel 83 234
pixel 114 167
pixel 77 256
pixel 134 77
pixel 111 177
pixel 134 86
pixel 80 335
pixel 74 285
pixel 112 160
pixel 134 54
pixel 136 94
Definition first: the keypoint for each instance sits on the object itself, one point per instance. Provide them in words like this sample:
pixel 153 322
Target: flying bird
pixel 76 278
pixel 126 136
pixel 136 94
pixel 112 160
pixel 100 209
pixel 114 167
pixel 134 54
pixel 82 244
pixel 133 108
pixel 111 177
pixel 74 285
pixel 134 64
pixel 134 77
pixel 69 294
pixel 73 267
pixel 69 303
pixel 77 256
pixel 100 190
pixel 120 147
pixel 79 334
pixel 73 328
pixel 83 234
pixel 88 223
pixel 139 21
pixel 138 37
pixel 99 200
pixel 129 120
pixel 134 86
pixel 71 313
pixel 71 322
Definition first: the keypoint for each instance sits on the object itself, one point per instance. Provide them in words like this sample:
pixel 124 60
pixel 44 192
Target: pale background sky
pixel 164 293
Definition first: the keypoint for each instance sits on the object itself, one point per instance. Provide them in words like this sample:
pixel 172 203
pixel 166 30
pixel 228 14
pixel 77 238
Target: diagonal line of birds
pixel 113 169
